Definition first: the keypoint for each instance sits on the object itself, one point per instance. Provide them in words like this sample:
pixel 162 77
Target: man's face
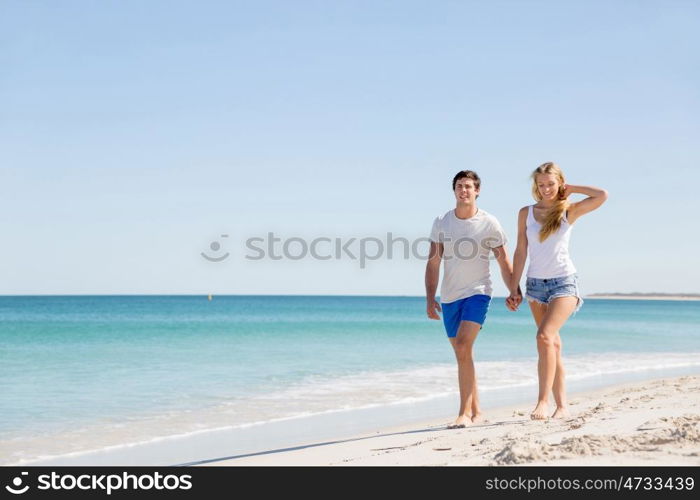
pixel 465 191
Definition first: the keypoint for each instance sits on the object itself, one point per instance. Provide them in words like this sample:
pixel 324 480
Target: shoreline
pixel 653 422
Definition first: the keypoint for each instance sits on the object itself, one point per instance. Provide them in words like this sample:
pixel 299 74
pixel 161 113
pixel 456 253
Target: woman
pixel 544 230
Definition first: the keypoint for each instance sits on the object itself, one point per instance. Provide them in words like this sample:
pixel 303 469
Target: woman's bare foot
pixel 461 422
pixel 540 411
pixel 561 412
pixel 477 418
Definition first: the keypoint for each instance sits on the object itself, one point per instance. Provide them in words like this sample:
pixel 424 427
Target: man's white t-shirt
pixel 468 245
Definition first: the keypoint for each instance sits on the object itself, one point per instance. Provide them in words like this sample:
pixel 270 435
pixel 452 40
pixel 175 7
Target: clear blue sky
pixel 133 134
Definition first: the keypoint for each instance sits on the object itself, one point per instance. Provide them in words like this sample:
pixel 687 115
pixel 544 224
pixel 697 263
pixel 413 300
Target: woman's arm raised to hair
pixel 596 197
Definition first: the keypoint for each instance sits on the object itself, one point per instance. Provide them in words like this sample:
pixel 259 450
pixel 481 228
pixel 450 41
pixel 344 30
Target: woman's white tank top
pixel 549 258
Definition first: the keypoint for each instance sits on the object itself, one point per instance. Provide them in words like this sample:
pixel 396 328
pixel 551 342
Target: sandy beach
pixel 644 423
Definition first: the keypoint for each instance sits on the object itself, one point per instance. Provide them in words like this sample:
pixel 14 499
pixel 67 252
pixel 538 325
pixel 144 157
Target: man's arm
pixel 432 277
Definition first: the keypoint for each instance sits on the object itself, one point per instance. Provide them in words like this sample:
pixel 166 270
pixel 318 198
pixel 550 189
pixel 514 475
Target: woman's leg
pixel 559 386
pixel 558 311
pixel 538 311
pixel 462 344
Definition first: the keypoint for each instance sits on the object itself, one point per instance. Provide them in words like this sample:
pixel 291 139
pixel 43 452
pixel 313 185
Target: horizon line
pixel 591 295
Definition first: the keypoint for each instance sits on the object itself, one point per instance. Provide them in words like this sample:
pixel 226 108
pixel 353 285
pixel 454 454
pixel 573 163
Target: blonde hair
pixel 554 216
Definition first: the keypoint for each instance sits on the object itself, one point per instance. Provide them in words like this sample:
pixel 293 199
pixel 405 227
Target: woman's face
pixel 548 186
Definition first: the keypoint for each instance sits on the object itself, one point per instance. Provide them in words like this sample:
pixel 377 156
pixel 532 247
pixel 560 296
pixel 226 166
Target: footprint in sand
pixel 597 409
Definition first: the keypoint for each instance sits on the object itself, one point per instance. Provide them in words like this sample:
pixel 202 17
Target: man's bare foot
pixel 561 412
pixel 540 412
pixel 461 422
pixel 477 418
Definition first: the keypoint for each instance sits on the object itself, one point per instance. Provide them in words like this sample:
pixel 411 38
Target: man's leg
pixel 462 344
pixel 476 407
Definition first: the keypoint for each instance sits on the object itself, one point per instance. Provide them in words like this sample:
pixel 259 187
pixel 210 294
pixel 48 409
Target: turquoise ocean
pixel 82 373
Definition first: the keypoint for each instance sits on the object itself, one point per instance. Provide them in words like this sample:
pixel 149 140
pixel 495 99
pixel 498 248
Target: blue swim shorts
pixel 543 291
pixel 472 308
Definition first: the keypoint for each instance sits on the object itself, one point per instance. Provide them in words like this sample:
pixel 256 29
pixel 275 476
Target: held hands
pixel 514 300
pixel 433 309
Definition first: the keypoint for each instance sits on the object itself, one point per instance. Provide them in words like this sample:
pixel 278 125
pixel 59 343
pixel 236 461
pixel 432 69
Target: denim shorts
pixel 543 291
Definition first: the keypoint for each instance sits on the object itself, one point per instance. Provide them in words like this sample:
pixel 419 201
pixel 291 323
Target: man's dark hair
pixel 469 174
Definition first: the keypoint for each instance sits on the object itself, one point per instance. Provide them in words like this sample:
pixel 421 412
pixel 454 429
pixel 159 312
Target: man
pixel 463 238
